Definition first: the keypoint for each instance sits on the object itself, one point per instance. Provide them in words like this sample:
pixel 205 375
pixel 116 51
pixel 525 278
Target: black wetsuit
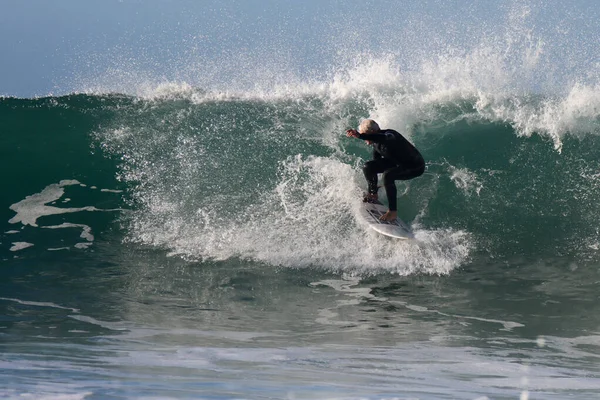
pixel 396 158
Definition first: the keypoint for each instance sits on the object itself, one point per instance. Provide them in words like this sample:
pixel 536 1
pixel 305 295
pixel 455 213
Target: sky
pixel 44 44
pixel 61 46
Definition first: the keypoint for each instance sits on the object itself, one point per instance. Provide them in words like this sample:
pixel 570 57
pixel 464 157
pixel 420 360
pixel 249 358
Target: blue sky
pixel 56 46
pixel 43 42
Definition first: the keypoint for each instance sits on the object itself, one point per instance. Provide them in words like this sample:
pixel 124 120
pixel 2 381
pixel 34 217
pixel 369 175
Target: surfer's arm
pixel 371 137
pixel 374 137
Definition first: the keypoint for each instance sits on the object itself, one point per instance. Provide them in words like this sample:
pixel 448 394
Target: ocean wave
pixel 269 175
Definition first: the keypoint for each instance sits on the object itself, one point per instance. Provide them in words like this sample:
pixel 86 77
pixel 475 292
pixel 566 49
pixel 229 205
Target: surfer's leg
pixel 371 169
pixel 391 192
pixel 390 176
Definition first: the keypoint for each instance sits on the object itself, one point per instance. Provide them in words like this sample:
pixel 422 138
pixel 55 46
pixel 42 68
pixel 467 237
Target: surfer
pixel 394 156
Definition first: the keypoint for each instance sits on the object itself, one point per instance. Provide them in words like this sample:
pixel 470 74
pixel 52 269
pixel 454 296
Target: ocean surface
pixel 174 240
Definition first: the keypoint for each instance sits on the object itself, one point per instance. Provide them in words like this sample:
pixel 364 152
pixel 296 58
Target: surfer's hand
pixel 352 133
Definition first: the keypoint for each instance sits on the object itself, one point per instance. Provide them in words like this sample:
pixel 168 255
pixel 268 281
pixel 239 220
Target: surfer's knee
pixel 389 179
pixel 418 171
pixel 369 168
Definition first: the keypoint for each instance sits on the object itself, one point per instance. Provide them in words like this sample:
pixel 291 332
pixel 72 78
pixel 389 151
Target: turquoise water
pixel 198 247
pixel 203 241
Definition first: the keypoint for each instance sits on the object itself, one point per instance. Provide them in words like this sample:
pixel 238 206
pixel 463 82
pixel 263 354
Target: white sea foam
pixel 400 98
pixel 34 206
pixel 465 180
pixel 86 232
pixel 20 246
pixel 309 219
pixel 38 304
pixel 48 392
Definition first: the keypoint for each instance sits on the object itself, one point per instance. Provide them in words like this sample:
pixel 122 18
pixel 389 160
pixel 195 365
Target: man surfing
pixel 394 156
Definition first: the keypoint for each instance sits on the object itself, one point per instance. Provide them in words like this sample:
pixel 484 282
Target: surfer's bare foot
pixel 370 198
pixel 389 216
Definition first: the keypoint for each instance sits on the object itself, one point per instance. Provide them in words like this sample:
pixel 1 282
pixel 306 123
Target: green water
pixel 210 249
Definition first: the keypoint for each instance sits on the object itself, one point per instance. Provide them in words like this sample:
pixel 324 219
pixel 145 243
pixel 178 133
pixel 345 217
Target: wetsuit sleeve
pixel 374 137
pixel 376 155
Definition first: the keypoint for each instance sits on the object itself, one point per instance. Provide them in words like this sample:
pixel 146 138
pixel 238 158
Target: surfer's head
pixel 368 126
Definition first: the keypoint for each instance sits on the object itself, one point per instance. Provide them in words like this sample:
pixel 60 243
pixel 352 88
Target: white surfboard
pixel 371 212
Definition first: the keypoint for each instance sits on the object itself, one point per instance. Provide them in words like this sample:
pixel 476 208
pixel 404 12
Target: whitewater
pixel 194 232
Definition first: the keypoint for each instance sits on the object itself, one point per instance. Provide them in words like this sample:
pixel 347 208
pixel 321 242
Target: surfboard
pixel 397 229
